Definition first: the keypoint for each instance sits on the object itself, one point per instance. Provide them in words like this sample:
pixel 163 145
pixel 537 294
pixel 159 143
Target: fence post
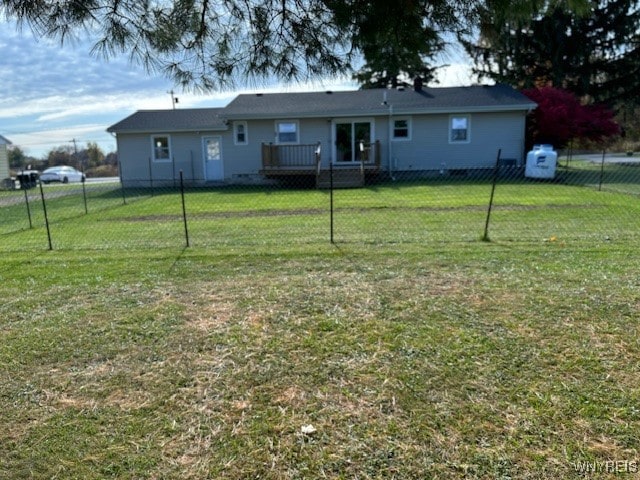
pixel 84 192
pixel 485 237
pixel 124 198
pixel 331 199
pixel 46 217
pixel 173 170
pixel 150 175
pixel 604 151
pixel 26 201
pixel 193 171
pixel 184 210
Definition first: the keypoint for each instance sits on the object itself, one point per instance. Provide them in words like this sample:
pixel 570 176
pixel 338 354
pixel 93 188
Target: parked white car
pixel 62 174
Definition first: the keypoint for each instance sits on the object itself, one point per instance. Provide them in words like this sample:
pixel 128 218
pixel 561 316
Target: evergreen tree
pixel 400 39
pixel 595 55
pixel 210 45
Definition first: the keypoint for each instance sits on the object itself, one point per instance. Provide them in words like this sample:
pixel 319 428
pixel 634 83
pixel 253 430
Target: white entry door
pixel 213 167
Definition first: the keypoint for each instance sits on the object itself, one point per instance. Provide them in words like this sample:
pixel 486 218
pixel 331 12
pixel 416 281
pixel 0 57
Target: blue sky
pixel 52 94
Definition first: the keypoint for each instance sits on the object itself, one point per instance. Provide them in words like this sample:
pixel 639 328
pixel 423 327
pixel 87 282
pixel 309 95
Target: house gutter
pixel 166 129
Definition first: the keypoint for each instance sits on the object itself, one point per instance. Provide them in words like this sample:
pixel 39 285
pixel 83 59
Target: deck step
pixel 342 178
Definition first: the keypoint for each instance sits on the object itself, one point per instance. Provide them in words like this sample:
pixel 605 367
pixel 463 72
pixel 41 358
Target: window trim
pixel 235 133
pixel 350 120
pixel 467 117
pixel 277 131
pixel 393 129
pixel 153 147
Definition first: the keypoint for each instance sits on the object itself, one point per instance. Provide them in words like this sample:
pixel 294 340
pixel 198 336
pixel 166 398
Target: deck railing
pixel 289 159
pixel 367 153
pixel 286 157
pixel 370 153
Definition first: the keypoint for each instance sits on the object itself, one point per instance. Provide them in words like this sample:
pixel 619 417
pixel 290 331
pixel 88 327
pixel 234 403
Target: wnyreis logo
pixel 607 466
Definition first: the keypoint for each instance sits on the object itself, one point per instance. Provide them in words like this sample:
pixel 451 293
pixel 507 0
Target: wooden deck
pixel 290 159
pixel 306 160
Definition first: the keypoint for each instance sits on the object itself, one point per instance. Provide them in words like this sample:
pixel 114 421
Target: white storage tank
pixel 541 162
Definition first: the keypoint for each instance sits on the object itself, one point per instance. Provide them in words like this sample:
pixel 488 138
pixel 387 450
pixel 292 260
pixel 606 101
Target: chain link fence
pixel 591 199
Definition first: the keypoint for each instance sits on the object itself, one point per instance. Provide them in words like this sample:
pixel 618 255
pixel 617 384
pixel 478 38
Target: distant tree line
pixel 90 159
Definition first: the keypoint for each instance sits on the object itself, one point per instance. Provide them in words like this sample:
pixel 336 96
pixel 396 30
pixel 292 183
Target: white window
pixel 161 147
pixel 459 129
pixel 240 133
pixel 287 131
pixel 402 128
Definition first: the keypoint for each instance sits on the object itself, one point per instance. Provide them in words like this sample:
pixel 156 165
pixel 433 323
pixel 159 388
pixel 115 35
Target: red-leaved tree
pixel 560 118
pixel 597 123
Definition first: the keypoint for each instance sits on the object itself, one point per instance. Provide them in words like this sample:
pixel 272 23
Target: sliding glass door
pixel 348 137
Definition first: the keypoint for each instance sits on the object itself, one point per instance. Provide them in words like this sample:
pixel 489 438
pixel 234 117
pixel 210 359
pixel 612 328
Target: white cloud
pixel 53 138
pixel 52 93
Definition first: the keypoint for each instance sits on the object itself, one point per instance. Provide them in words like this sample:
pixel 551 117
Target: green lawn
pixel 409 349
pixel 574 208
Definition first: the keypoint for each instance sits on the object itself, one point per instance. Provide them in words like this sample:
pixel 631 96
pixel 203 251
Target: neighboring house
pixel 4 158
pixel 380 131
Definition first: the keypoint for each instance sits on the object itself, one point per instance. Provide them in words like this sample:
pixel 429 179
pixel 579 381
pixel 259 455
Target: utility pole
pixel 75 151
pixel 174 99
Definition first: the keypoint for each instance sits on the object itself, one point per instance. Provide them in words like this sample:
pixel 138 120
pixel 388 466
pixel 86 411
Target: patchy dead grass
pixel 350 367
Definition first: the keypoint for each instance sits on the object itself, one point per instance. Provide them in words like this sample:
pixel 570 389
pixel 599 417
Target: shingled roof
pixel 188 120
pixel 378 102
pixel 494 98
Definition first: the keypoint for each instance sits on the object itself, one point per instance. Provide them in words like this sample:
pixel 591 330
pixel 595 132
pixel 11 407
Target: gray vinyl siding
pixel 186 152
pixel 247 159
pixel 136 156
pixel 134 152
pixel 243 159
pixel 430 149
pixel 4 162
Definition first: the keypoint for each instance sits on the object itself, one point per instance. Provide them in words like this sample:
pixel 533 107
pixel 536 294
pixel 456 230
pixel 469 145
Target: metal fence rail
pixel 588 201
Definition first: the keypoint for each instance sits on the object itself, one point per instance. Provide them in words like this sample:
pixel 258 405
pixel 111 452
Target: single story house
pixel 392 132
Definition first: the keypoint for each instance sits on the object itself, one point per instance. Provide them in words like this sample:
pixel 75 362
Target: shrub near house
pixel 560 118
